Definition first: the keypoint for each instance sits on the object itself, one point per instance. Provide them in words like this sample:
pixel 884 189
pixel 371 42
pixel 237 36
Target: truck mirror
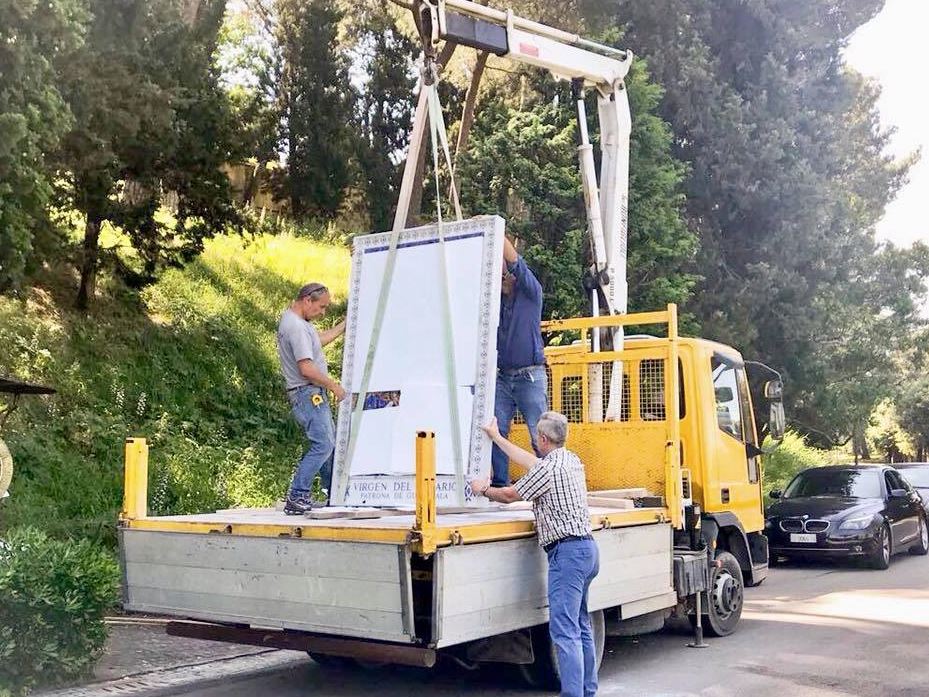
pixel 723 395
pixel 775 494
pixel 773 389
pixel 777 422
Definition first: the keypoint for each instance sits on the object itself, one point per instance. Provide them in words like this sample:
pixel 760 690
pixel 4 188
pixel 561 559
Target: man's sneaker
pixel 300 505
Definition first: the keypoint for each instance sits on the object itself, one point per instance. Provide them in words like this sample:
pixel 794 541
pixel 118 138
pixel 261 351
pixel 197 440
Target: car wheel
pixel 723 601
pixel 922 545
pixel 880 557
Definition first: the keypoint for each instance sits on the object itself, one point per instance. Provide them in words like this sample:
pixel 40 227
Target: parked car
pixel 917 474
pixel 850 511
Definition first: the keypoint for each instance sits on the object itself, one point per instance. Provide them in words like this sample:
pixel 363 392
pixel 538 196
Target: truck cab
pixel 699 451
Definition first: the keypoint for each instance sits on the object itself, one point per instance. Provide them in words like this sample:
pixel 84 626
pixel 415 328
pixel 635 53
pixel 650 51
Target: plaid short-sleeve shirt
pixel 558 491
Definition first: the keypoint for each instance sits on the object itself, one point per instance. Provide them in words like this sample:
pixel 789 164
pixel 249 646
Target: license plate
pixel 802 537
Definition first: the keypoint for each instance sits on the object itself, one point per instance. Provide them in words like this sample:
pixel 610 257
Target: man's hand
pixel 480 485
pixel 338 392
pixel 492 430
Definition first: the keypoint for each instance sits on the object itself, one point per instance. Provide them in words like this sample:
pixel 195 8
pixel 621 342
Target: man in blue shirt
pixel 522 382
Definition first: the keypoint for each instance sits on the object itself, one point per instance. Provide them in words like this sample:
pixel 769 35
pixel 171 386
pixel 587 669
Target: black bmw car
pixel 858 511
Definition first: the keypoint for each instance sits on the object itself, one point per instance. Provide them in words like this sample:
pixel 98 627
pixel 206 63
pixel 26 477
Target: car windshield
pixel 917 476
pixel 856 484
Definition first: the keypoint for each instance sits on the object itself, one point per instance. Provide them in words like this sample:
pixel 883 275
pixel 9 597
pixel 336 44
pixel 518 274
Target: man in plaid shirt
pixel 558 490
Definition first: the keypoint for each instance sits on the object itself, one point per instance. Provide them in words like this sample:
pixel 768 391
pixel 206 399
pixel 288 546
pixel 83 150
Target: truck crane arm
pixel 586 64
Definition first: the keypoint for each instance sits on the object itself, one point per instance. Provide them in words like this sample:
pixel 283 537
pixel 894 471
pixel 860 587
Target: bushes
pixel 792 456
pixel 52 599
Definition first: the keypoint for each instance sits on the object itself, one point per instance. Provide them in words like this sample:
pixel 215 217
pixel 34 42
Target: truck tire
pixel 327 661
pixel 921 548
pixel 6 468
pixel 543 672
pixel 722 603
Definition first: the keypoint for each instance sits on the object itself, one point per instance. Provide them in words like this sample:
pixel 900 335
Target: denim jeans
pixel 526 390
pixel 572 565
pixel 316 422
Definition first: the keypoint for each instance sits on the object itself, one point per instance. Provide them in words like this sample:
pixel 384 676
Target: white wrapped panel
pixel 411 358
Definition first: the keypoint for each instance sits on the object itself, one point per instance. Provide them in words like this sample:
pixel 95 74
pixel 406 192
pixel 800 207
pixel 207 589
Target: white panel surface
pixel 411 358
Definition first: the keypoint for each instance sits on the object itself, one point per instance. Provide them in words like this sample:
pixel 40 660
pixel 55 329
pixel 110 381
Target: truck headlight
pixel 857 523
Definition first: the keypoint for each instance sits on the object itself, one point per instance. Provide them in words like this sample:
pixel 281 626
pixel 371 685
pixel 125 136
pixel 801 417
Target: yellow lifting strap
pixel 439 138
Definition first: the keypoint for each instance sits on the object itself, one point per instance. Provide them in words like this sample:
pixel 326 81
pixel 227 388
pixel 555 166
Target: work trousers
pixel 316 422
pixel 572 565
pixel 525 389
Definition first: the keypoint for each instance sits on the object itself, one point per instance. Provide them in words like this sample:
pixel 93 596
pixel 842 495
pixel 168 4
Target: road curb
pixel 173 681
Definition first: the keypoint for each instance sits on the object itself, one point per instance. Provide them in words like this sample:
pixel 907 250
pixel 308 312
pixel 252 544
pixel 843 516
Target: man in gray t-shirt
pixel 306 378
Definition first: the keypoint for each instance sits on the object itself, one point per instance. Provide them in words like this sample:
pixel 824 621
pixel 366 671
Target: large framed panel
pixel 408 389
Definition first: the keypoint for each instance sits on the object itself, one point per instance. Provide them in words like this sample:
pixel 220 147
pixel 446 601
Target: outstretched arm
pixel 521 457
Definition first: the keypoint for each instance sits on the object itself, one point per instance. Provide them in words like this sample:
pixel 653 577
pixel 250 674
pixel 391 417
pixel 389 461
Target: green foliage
pixel 790 457
pixel 788 175
pixel 191 365
pixel 316 107
pixel 149 118
pixel 33 118
pixel 383 55
pixel 51 619
pixel 913 405
pixel 522 164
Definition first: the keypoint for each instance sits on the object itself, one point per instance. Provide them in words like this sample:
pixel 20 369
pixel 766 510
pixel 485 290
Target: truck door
pixel 737 458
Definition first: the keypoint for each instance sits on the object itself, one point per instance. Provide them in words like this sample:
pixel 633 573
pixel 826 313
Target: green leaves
pixel 51 619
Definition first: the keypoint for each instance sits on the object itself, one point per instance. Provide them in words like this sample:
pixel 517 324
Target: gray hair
pixel 313 291
pixel 554 426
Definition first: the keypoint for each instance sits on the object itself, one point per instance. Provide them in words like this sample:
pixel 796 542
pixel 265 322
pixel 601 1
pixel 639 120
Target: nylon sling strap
pixel 438 133
pixel 437 128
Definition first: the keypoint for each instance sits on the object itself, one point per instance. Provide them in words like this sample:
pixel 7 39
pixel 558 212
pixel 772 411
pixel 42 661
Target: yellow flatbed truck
pixel 404 588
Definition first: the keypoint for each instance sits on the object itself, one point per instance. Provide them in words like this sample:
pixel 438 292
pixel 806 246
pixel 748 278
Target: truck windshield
pixel 850 483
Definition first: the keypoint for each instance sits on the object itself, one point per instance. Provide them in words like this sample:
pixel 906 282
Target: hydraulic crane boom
pixel 586 64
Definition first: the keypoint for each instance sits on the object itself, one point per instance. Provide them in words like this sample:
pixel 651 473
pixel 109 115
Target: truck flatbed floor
pixel 482 525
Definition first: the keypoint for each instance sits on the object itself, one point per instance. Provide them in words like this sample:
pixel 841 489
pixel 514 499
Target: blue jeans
pixel 572 565
pixel 316 422
pixel 526 390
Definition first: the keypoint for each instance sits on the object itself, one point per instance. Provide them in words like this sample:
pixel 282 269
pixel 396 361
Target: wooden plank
pixel 210 607
pixel 323 558
pixel 633 493
pixel 329 592
pixel 604 502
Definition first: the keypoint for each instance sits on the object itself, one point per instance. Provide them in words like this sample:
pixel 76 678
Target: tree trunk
pixel 467 113
pixel 91 254
pixel 416 197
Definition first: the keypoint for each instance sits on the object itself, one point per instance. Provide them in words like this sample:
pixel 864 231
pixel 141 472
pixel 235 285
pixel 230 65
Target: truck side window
pixel 728 404
pixel 651 389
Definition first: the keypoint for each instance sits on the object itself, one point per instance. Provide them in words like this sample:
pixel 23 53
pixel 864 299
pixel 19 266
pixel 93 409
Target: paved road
pixel 808 631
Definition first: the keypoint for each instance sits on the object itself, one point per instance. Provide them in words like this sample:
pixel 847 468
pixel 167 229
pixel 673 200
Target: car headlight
pixel 857 523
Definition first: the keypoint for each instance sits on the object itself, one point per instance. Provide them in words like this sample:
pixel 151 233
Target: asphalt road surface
pixel 808 631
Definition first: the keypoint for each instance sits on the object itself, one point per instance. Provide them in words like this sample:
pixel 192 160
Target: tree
pixel 522 162
pixel 383 55
pixel 788 176
pixel 148 119
pixel 33 118
pixel 316 107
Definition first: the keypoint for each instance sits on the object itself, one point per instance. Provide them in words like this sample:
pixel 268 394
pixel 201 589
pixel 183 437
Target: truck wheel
pixel 327 661
pixel 543 672
pixel 880 557
pixel 722 603
pixel 922 544
pixel 6 468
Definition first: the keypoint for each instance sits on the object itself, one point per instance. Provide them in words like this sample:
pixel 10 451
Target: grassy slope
pixel 191 365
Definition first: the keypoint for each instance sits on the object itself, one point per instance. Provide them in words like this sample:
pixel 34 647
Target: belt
pixel 291 389
pixel 518 371
pixel 551 545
